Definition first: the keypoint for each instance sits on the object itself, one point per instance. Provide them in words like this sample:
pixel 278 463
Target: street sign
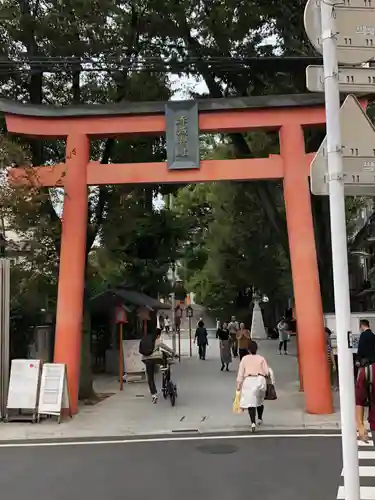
pixel 351 79
pixel 355 25
pixel 358 151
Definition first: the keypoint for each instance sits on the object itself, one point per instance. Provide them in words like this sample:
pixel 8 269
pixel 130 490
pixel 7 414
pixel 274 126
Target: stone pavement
pixel 204 403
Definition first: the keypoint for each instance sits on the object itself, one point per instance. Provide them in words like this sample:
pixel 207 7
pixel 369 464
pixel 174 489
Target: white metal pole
pixel 339 252
pixel 174 346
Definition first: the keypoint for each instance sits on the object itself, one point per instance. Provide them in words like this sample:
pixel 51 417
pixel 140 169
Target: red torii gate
pixel 286 114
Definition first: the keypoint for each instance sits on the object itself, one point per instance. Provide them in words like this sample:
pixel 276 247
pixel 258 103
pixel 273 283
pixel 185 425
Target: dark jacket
pixel 366 348
pixel 223 334
pixel 201 336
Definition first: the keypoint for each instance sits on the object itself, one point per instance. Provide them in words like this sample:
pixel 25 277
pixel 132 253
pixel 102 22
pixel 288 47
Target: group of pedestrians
pixel 254 374
pixel 234 341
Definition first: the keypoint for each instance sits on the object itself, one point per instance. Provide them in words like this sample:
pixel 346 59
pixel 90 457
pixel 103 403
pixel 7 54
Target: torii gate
pixel 286 114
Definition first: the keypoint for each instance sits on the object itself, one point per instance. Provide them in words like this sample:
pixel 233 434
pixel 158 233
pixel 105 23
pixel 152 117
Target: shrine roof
pixel 158 107
pixel 123 294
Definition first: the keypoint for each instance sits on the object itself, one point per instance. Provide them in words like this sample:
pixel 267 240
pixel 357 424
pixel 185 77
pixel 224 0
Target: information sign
pixel 54 393
pixel 24 384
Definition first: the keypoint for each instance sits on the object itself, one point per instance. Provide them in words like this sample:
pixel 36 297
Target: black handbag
pixel 271 394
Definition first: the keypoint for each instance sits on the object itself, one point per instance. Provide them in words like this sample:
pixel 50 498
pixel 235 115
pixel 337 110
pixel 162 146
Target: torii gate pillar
pixel 310 337
pixel 72 263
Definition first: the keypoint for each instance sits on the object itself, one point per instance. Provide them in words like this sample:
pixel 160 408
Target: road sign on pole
pixel 342 36
pixel 358 154
pixel 354 29
pixel 351 79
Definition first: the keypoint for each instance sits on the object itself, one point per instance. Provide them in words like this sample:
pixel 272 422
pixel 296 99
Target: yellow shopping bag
pixel 236 403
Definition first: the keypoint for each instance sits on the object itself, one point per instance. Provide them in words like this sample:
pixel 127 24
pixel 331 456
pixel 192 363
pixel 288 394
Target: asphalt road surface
pixel 261 468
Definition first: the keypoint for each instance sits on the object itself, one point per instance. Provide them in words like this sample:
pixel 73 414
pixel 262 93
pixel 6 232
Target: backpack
pixel 147 345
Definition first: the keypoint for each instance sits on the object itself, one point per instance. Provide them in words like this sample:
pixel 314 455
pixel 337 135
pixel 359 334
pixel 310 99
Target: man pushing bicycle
pixel 154 352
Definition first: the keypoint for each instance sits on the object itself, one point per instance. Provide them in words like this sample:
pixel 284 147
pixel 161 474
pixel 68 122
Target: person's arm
pixel 166 349
pixel 240 375
pixel 265 368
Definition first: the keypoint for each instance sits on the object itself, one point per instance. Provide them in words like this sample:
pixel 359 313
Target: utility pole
pixel 339 249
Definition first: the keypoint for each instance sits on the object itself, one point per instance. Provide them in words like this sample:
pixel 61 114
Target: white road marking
pixel 366 455
pixel 164 440
pixel 365 471
pixel 364 445
pixel 366 493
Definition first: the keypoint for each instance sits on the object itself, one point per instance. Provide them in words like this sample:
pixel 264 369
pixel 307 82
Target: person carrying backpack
pixel 153 350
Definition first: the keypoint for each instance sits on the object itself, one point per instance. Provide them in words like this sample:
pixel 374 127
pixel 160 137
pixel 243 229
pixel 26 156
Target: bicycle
pixel 169 389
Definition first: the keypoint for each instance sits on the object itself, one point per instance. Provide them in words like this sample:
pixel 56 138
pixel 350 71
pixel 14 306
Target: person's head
pixel 233 318
pixel 225 324
pixel 364 324
pixel 201 324
pixel 253 347
pixel 242 326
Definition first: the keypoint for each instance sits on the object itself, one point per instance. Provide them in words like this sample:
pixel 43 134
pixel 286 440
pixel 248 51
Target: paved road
pixel 264 468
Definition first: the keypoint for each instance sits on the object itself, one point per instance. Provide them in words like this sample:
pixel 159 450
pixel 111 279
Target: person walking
pixel 161 321
pixel 283 329
pixel 152 350
pixel 225 346
pixel 243 338
pixel 167 324
pixel 201 340
pixel 364 398
pixel 252 383
pixel 233 329
pixel 331 361
pixel 366 344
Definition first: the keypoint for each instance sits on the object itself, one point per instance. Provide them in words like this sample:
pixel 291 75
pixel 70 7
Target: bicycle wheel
pixel 172 394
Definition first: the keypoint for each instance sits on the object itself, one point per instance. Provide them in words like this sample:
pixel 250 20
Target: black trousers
pixel 202 351
pixel 150 373
pixel 283 343
pixel 254 411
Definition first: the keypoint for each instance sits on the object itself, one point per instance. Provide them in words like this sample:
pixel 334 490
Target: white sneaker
pixel 260 422
pixel 253 427
pixel 155 399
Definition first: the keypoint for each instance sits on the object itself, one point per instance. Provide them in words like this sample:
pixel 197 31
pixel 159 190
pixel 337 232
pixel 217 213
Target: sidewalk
pixel 204 403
